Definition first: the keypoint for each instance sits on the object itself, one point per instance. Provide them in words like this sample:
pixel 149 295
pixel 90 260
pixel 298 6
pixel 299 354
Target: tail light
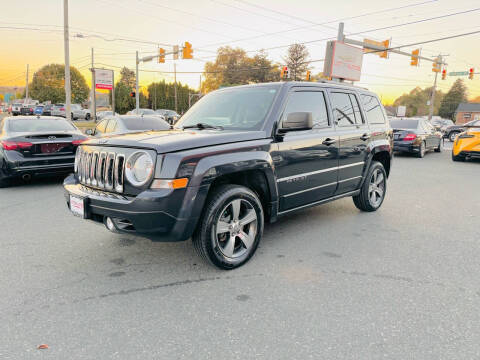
pixel 62 109
pixel 78 142
pixel 410 137
pixel 14 145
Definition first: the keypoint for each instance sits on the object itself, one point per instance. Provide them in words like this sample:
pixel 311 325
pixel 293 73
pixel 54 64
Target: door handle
pixel 365 137
pixel 328 141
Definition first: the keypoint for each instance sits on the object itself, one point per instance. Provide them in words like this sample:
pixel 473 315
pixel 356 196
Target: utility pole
pixel 93 97
pixel 68 94
pixel 434 90
pixel 26 87
pixel 175 76
pixel 113 93
pixel 137 95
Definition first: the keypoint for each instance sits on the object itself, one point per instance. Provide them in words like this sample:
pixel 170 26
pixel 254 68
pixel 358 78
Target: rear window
pixel 404 124
pixel 145 123
pixel 34 125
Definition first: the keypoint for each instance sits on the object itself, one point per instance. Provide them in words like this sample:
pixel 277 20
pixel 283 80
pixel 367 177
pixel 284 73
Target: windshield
pixel 145 123
pixel 404 124
pixel 34 125
pixel 243 108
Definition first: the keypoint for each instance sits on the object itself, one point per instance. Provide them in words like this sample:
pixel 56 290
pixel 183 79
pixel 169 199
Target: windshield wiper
pixel 203 126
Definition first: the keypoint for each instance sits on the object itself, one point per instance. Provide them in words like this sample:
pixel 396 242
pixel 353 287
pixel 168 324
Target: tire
pixel 453 135
pixel 423 150
pixel 458 157
pixel 440 146
pixel 371 197
pixel 233 247
pixel 87 117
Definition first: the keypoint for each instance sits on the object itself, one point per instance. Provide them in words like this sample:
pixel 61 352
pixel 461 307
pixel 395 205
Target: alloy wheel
pixel 376 188
pixel 236 228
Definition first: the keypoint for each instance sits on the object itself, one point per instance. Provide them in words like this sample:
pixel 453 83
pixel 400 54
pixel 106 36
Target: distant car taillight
pixel 78 142
pixel 62 109
pixel 410 137
pixel 14 145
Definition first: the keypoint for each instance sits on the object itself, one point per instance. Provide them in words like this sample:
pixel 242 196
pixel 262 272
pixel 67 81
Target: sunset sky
pixel 32 33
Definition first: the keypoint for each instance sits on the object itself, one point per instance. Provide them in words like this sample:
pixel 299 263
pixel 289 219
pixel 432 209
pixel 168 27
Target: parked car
pixel 452 131
pixel 438 124
pixel 170 116
pixel 239 157
pixel 31 146
pixel 141 112
pixel 78 112
pixel 467 144
pixel 417 136
pixel 16 108
pixel 58 110
pixel 27 109
pixel 38 110
pixel 103 114
pixel 124 124
pixel 47 109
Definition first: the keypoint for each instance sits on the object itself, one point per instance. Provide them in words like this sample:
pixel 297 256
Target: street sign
pixel 401 110
pixel 103 79
pixel 458 73
pixel 343 61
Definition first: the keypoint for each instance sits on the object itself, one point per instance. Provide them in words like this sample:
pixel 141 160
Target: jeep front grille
pixel 103 170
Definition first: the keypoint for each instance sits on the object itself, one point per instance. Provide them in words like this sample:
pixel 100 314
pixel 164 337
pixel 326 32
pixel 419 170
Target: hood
pixel 175 140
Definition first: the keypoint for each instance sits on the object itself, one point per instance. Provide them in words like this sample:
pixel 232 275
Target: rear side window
pixel 372 109
pixel 145 123
pixel 309 101
pixel 112 125
pixel 345 109
pixel 101 127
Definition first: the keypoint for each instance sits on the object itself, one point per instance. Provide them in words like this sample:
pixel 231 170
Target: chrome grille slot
pixel 87 168
pixel 101 169
pixel 118 173
pixel 109 169
pixel 93 169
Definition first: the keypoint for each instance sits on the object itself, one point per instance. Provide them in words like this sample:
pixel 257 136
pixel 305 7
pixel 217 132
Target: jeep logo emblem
pixel 52 137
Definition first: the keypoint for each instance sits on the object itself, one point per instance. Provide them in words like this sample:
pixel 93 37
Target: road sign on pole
pixel 103 79
pixel 343 61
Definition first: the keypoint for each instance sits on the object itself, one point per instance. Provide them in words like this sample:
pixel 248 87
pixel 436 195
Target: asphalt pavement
pixel 329 282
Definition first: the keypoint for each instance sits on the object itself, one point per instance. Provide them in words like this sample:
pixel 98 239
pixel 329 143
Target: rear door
pixel 306 161
pixel 354 136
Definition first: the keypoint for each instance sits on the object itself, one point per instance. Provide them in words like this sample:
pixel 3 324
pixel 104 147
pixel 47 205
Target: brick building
pixel 467 112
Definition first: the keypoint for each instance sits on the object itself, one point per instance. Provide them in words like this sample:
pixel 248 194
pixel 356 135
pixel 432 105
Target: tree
pixel 456 95
pixel 124 86
pixel 416 101
pixel 127 77
pixel 48 84
pixel 161 95
pixel 234 67
pixel 296 60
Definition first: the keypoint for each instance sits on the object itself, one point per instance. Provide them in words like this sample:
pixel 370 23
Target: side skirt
pixel 324 201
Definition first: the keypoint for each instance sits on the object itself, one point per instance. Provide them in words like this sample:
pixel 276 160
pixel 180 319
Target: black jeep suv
pixel 239 157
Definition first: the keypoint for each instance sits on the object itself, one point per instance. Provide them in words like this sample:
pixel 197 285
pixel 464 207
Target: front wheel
pixel 453 135
pixel 87 117
pixel 440 146
pixel 230 228
pixel 372 192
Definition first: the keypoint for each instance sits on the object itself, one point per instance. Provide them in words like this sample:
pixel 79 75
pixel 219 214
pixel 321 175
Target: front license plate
pixel 77 206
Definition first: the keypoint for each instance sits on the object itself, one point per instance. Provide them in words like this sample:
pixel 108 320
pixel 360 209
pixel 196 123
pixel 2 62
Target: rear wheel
pixel 422 150
pixel 87 117
pixel 453 135
pixel 440 146
pixel 230 228
pixel 372 192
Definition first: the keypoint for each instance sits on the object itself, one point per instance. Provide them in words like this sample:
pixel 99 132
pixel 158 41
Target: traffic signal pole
pixel 68 89
pixel 137 95
pixel 434 90
pixel 94 100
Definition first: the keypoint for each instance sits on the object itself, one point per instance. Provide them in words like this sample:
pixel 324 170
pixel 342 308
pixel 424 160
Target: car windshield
pixel 34 125
pixel 59 105
pixel 243 108
pixel 144 123
pixel 404 124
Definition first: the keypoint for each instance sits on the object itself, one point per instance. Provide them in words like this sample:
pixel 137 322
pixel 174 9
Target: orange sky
pixel 32 33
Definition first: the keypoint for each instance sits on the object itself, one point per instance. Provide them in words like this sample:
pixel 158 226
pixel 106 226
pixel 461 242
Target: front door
pixel 306 161
pixel 354 139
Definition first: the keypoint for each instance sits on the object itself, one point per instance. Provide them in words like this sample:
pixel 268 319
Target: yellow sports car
pixel 467 144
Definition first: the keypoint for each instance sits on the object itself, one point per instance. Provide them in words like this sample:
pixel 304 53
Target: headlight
pixel 139 168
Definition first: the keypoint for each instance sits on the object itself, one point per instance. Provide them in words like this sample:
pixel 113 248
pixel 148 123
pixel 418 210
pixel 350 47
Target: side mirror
pixel 89 132
pixel 297 121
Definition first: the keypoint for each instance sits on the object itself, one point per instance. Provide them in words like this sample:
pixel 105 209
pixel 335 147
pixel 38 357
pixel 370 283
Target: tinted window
pixel 145 123
pixel 404 124
pixel 309 101
pixel 343 110
pixel 242 108
pixel 101 127
pixel 373 109
pixel 32 125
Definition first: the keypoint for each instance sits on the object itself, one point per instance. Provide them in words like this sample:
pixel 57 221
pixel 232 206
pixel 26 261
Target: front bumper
pixel 160 215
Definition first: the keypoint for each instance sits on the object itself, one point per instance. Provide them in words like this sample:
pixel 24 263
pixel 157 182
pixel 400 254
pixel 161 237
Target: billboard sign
pixel 103 79
pixel 401 111
pixel 343 61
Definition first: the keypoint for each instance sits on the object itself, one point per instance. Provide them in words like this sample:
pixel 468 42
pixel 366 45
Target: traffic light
pixel 470 73
pixel 307 77
pixel 444 74
pixel 436 66
pixel 385 44
pixel 132 94
pixel 161 55
pixel 187 51
pixel 285 74
pixel 415 59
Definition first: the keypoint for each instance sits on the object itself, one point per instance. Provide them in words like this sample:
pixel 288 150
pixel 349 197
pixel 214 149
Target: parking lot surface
pixel 329 282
